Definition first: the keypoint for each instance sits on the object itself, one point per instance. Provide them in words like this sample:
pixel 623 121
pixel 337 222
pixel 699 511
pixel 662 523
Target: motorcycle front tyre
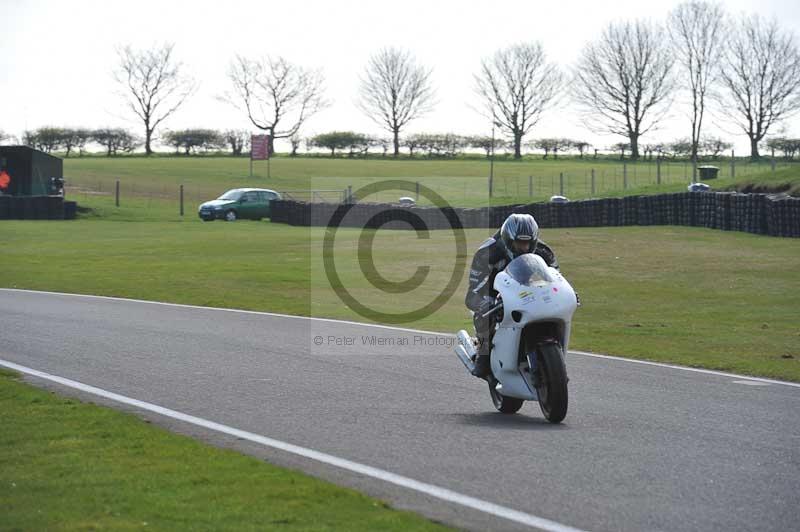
pixel 553 397
pixel 506 405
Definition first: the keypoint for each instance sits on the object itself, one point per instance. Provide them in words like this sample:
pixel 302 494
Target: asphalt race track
pixel 643 447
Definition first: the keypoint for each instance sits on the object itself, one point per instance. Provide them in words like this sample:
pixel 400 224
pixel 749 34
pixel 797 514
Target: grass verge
pixel 68 465
pixel 786 180
pixel 692 296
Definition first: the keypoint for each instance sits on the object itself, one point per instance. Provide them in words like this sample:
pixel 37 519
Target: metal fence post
pixel 772 162
pixel 530 186
pixel 593 185
pixel 733 164
pixel 116 195
pixel 625 176
pixel 658 171
pixel 181 200
pixel 417 198
pixel 561 183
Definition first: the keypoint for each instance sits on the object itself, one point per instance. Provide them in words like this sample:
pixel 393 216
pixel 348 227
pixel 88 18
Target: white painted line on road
pixel 389 327
pixel 684 368
pixel 751 383
pixel 236 310
pixel 369 471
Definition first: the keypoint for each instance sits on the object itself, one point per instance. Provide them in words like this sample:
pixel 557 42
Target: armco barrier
pixel 774 215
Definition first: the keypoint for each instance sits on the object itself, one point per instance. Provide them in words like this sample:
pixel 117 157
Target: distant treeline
pixel 351 144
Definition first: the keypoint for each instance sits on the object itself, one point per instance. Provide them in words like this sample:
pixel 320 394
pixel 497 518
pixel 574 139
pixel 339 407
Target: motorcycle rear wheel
pixel 552 390
pixel 506 405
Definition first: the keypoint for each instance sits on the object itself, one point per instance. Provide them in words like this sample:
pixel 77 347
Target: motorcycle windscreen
pixel 529 270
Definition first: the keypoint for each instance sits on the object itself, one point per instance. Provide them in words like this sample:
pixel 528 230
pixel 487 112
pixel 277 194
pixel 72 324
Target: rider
pixel 518 235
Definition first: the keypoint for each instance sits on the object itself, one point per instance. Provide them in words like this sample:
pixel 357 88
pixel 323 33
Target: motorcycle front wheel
pixel 552 390
pixel 506 405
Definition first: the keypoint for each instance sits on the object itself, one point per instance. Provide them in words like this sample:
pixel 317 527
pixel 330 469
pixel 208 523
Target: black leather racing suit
pixel 490 259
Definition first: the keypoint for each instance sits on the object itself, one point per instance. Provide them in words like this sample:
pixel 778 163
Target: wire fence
pixel 586 181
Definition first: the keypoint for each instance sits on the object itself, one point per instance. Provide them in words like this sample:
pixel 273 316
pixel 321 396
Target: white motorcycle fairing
pixel 533 294
pixel 545 297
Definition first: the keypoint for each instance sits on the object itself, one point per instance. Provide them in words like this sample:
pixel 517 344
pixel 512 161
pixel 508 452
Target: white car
pixel 698 187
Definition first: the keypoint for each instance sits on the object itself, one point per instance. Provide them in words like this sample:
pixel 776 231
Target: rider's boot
pixel 483 366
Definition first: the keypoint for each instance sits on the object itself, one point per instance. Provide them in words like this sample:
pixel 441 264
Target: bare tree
pixel 82 136
pixel 696 29
pixel 621 147
pixel 553 145
pixel 237 139
pixel 680 147
pixel 383 143
pixel 786 145
pixel 486 143
pixel 394 91
pixel 154 85
pixel 581 146
pixel 761 77
pixel 413 142
pixel 190 140
pixel 517 85
pixel 46 139
pixel 715 146
pixel 623 81
pixel 115 140
pixel 295 141
pixel 277 96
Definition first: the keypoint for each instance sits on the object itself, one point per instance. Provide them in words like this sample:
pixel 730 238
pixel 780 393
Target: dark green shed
pixel 30 170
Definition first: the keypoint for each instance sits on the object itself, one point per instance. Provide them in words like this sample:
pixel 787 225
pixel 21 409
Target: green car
pixel 249 203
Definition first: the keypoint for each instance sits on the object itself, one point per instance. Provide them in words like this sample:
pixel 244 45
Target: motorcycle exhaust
pixel 465 350
pixel 464 357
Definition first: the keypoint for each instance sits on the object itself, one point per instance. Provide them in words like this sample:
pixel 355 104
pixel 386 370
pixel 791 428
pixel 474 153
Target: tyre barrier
pixel 764 214
pixel 35 208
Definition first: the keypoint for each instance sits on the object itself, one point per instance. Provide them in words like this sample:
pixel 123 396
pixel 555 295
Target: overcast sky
pixel 56 57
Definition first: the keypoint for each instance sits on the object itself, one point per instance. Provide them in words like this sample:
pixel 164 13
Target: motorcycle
pixel 533 314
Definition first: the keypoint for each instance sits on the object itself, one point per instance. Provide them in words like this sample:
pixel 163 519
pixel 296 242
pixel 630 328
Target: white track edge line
pixel 684 368
pixel 355 467
pixel 236 310
pixel 392 328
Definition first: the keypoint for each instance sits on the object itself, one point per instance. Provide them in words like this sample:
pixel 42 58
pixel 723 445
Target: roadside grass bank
pixel 785 180
pixel 692 296
pixel 68 465
pixel 462 182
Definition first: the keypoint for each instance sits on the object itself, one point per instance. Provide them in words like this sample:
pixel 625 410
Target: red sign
pixel 259 147
pixel 5 179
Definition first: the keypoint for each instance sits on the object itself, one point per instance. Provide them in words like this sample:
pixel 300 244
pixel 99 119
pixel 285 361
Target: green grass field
pixel 693 296
pixel 460 182
pixel 690 296
pixel 72 466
